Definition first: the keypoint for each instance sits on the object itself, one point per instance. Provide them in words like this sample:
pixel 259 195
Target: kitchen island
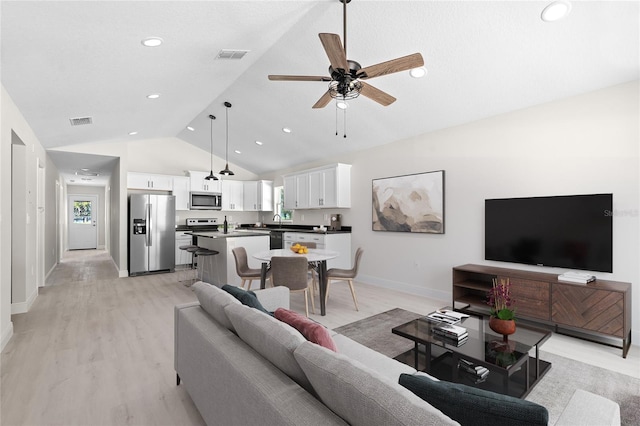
pixel 221 268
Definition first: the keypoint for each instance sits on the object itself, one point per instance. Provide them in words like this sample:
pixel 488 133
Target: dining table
pixel 316 257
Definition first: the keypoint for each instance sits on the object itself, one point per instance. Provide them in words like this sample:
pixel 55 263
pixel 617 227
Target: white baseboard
pixel 101 247
pixel 50 271
pixel 123 273
pixel 22 307
pixel 444 296
pixel 7 333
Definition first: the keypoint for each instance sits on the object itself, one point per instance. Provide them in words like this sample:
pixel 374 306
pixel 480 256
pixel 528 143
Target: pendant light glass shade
pixel 211 175
pixel 226 170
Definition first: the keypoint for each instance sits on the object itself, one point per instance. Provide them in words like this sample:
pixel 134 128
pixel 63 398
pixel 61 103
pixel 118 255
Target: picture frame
pixel 409 203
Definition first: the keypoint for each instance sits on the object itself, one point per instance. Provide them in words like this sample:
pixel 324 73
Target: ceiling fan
pixel 347 77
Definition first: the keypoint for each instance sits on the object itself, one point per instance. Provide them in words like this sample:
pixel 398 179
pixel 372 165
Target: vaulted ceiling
pixel 62 60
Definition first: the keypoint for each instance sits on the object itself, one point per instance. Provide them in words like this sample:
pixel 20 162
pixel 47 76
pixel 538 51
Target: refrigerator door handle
pixel 149 225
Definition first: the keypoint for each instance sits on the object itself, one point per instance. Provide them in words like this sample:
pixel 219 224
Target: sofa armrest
pixel 274 297
pixel 588 408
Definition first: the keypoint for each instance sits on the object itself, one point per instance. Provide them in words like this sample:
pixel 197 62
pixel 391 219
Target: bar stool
pixel 187 265
pixel 208 267
pixel 191 249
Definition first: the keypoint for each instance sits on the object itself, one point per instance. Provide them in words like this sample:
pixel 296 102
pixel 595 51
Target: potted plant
pixel 502 319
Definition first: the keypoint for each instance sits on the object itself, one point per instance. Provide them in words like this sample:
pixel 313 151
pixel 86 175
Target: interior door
pixel 83 232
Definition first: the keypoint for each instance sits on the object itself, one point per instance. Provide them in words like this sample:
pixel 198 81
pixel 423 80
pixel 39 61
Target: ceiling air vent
pixel 231 54
pixel 79 121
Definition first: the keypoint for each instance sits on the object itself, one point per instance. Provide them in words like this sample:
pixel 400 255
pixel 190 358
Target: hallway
pixel 96 349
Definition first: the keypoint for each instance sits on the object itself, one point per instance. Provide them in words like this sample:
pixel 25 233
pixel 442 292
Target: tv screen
pixel 572 232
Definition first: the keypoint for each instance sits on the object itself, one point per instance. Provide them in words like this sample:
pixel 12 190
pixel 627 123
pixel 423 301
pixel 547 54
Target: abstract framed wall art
pixel 409 203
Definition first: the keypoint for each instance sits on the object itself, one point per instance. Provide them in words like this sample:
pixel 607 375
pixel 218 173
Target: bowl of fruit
pixel 300 249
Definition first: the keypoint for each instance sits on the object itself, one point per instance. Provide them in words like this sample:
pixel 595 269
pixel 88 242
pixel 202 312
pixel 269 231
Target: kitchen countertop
pixel 239 233
pixel 266 230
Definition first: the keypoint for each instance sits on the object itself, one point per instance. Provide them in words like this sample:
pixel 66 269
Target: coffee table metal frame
pixel 475 350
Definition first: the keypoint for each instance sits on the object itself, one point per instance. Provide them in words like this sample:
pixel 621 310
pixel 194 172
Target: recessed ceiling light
pixel 342 105
pixel 191 129
pixel 286 130
pixel 555 11
pixel 85 170
pixel 152 41
pixel 153 96
pixel 258 143
pixel 133 133
pixel 418 72
pixel 237 152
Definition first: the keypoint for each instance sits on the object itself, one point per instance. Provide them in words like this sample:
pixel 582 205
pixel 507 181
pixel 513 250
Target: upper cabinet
pixel 324 187
pixel 258 195
pixel 296 191
pixel 232 195
pixel 137 180
pixel 200 184
pixel 181 187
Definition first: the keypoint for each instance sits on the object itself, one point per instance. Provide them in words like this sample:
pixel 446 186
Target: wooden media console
pixel 595 311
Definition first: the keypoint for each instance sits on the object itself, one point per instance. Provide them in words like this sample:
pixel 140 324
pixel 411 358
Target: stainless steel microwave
pixel 205 201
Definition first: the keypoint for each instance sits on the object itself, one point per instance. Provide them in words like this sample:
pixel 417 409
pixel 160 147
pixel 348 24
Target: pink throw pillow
pixel 311 330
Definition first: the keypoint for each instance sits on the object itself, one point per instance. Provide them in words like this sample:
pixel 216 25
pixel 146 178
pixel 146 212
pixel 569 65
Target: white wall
pixel 12 122
pixel 581 145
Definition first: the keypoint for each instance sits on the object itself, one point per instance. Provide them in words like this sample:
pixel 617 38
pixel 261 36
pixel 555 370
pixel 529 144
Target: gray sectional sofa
pixel 241 367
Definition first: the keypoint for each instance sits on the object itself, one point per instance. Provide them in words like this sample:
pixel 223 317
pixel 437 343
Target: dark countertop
pixel 276 228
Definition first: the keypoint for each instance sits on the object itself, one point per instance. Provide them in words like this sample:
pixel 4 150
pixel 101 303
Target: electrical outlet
pixel 302 217
pixel 326 217
pixel 229 218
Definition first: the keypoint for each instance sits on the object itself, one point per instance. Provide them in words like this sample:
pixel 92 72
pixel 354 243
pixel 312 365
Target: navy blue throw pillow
pixel 471 406
pixel 245 297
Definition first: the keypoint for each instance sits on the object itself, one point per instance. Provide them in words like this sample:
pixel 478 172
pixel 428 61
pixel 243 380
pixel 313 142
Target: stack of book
pixel 576 277
pixel 452 334
pixel 477 373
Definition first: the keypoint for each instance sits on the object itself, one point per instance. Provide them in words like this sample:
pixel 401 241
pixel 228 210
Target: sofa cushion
pixel 311 330
pixel 245 297
pixel 360 395
pixel 472 406
pixel 270 338
pixel 388 367
pixel 213 300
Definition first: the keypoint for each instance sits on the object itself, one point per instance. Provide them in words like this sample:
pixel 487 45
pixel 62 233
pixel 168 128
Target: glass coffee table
pixel 512 370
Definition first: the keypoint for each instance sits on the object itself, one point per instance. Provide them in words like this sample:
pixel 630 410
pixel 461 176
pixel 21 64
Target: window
pixel 278 205
pixel 82 212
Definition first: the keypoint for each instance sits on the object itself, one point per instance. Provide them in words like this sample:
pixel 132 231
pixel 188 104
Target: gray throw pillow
pixel 360 395
pixel 471 406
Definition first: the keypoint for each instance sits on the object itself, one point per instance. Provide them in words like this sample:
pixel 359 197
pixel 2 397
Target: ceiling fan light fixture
pixel 342 105
pixel 418 72
pixel 226 171
pixel 555 11
pixel 211 175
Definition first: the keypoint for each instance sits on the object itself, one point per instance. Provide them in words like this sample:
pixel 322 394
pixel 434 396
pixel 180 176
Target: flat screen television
pixel 572 232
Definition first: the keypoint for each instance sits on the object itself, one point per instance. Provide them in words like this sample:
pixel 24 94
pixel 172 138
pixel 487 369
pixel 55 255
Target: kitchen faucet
pixel 279 220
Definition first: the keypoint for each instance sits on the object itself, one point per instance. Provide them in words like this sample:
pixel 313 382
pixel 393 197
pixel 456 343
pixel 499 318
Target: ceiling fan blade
pixel 324 100
pixel 299 78
pixel 377 95
pixel 394 65
pixel 333 46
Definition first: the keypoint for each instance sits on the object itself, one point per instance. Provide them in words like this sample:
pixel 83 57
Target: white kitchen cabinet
pixel 181 186
pixel 137 180
pixel 296 191
pixel 325 187
pixel 258 195
pixel 232 195
pixel 200 184
pixel 340 242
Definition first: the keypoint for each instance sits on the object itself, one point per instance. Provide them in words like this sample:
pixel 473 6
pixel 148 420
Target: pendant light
pixel 226 170
pixel 211 175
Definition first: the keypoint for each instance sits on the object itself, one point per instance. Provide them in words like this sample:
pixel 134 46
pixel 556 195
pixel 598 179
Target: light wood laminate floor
pixel 96 349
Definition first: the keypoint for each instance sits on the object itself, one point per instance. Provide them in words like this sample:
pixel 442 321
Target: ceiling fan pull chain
pixel 345 123
pixel 336 117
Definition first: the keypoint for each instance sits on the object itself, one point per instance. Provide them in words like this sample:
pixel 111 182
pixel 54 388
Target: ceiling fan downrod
pixel 344 23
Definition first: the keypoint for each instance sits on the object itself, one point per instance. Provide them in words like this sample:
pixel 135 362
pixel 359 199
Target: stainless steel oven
pixel 205 201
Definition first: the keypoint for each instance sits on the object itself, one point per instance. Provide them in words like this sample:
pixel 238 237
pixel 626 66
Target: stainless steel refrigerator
pixel 152 233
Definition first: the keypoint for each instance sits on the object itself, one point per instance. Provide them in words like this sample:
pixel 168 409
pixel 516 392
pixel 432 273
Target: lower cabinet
pixel 337 242
pixel 598 310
